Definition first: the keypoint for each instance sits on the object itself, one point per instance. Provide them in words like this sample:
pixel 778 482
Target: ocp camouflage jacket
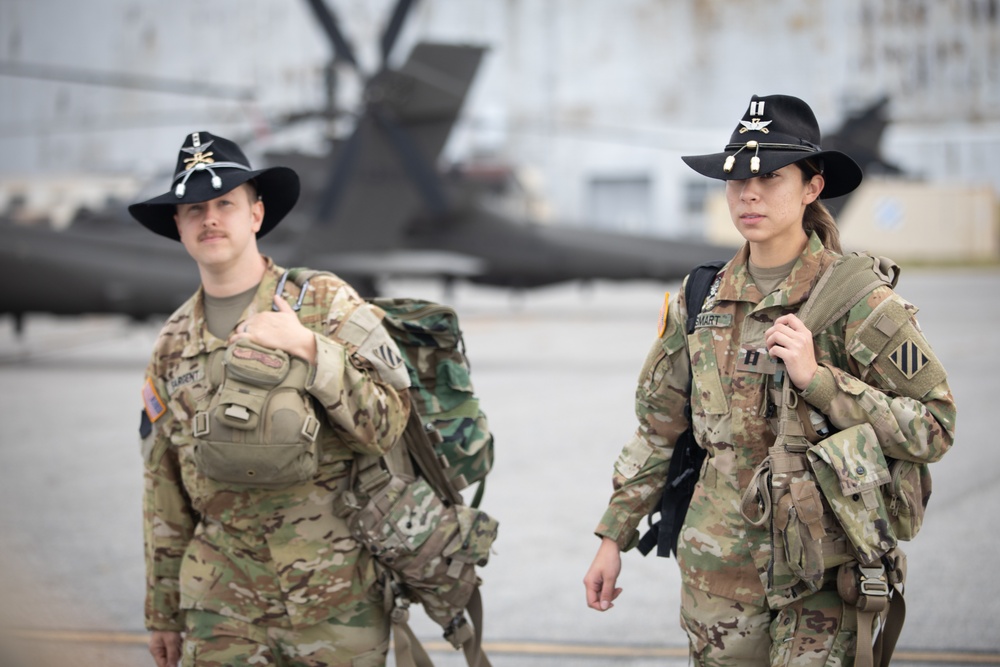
pixel 257 554
pixel 911 410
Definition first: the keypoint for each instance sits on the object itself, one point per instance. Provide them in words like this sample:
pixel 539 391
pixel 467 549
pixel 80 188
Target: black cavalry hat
pixel 776 131
pixel 209 166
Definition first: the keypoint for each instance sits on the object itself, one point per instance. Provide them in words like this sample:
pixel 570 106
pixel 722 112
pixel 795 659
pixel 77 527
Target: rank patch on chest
pixel 909 359
pixel 152 402
pixel 713 320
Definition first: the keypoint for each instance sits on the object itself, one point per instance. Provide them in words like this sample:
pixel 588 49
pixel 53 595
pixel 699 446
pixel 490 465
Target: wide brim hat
pixel 209 166
pixel 776 131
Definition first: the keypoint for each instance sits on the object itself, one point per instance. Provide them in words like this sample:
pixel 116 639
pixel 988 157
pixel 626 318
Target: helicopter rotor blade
pixel 341 47
pixel 394 27
pixel 342 167
pixel 419 170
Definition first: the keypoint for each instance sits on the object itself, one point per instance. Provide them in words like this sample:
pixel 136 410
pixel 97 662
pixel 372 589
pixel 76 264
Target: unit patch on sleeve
pixel 152 402
pixel 661 326
pixel 909 359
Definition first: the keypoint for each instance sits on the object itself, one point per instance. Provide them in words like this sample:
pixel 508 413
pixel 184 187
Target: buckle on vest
pixel 872 581
pixel 311 428
pixel 200 424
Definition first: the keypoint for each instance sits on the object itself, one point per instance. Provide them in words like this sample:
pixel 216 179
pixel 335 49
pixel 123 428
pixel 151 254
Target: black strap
pixel 686 461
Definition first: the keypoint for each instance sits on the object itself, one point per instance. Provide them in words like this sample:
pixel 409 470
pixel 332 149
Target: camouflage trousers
pixel 814 631
pixel 211 640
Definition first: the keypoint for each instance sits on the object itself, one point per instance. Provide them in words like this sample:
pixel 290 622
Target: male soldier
pixel 247 551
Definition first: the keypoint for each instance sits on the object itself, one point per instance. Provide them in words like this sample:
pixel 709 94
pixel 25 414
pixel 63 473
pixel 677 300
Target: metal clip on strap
pixel 872 581
pixel 200 424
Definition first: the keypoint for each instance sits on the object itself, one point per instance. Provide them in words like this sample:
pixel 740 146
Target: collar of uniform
pixel 203 342
pixel 736 284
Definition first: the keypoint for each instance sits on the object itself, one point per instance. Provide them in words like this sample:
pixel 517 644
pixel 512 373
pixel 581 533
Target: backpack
pixel 429 337
pixel 405 507
pixel 686 461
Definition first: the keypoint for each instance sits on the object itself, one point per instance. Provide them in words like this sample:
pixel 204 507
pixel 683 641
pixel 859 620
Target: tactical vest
pixel 260 426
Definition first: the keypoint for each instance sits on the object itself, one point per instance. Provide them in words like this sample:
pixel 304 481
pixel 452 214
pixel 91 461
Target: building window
pixel 620 203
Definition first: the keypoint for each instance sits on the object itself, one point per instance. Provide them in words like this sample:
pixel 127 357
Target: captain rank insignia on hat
pixel 755 124
pixel 198 152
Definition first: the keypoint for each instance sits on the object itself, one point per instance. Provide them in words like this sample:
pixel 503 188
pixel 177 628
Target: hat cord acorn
pixel 757 145
pixel 216 179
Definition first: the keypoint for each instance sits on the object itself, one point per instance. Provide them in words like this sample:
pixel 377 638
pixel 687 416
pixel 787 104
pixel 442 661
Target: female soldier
pixel 740 603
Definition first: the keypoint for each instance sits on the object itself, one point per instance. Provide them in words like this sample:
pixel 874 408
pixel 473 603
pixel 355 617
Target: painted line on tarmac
pixel 518 648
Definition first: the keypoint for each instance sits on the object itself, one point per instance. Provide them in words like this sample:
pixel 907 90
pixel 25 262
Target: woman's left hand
pixel 790 341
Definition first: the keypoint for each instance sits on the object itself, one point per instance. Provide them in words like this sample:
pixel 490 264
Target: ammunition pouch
pixel 260 428
pixel 784 495
pixel 850 469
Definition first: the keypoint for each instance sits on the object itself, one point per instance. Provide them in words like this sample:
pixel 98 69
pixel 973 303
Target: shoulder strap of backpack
pixel 847 281
pixel 696 290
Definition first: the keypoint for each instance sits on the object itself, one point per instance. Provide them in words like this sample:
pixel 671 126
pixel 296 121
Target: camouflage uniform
pixel 281 559
pixel 719 553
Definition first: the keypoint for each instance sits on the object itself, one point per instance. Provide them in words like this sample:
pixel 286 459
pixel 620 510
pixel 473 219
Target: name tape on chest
pixel 713 320
pixel 185 379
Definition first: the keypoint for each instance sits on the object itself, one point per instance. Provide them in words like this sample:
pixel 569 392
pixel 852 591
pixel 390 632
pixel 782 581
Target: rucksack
pixel 429 336
pixel 405 506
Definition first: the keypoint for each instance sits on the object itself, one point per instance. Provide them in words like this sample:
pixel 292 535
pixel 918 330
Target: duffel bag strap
pixel 472 642
pixel 407 649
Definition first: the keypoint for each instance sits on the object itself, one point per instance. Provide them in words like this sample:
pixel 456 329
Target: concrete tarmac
pixel 555 370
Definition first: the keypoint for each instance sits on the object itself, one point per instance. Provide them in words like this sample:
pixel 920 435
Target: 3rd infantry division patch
pixel 909 359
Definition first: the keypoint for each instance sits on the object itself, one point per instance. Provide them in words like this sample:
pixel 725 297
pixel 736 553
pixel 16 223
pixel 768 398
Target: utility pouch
pixel 849 468
pixel 798 517
pixel 260 427
pixel 907 494
pixel 783 495
pixel 432 547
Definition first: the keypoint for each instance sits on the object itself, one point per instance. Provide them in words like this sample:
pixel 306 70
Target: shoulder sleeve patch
pixel 380 349
pixel 151 401
pixel 661 326
pixel 899 352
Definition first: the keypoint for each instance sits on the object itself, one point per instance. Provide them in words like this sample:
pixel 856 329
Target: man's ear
pixel 257 215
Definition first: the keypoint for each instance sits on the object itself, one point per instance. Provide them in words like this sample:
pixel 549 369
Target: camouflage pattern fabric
pixel 813 631
pixel 850 469
pixel 432 549
pixel 429 337
pixel 863 378
pixel 218 641
pixel 260 555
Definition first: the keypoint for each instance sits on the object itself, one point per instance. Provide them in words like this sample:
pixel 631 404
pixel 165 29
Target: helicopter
pixel 374 206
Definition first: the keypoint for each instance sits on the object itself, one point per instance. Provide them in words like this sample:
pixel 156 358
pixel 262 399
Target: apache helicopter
pixel 374 207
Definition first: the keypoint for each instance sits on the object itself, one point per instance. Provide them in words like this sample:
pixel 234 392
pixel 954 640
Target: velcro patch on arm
pixel 355 329
pixel 902 356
